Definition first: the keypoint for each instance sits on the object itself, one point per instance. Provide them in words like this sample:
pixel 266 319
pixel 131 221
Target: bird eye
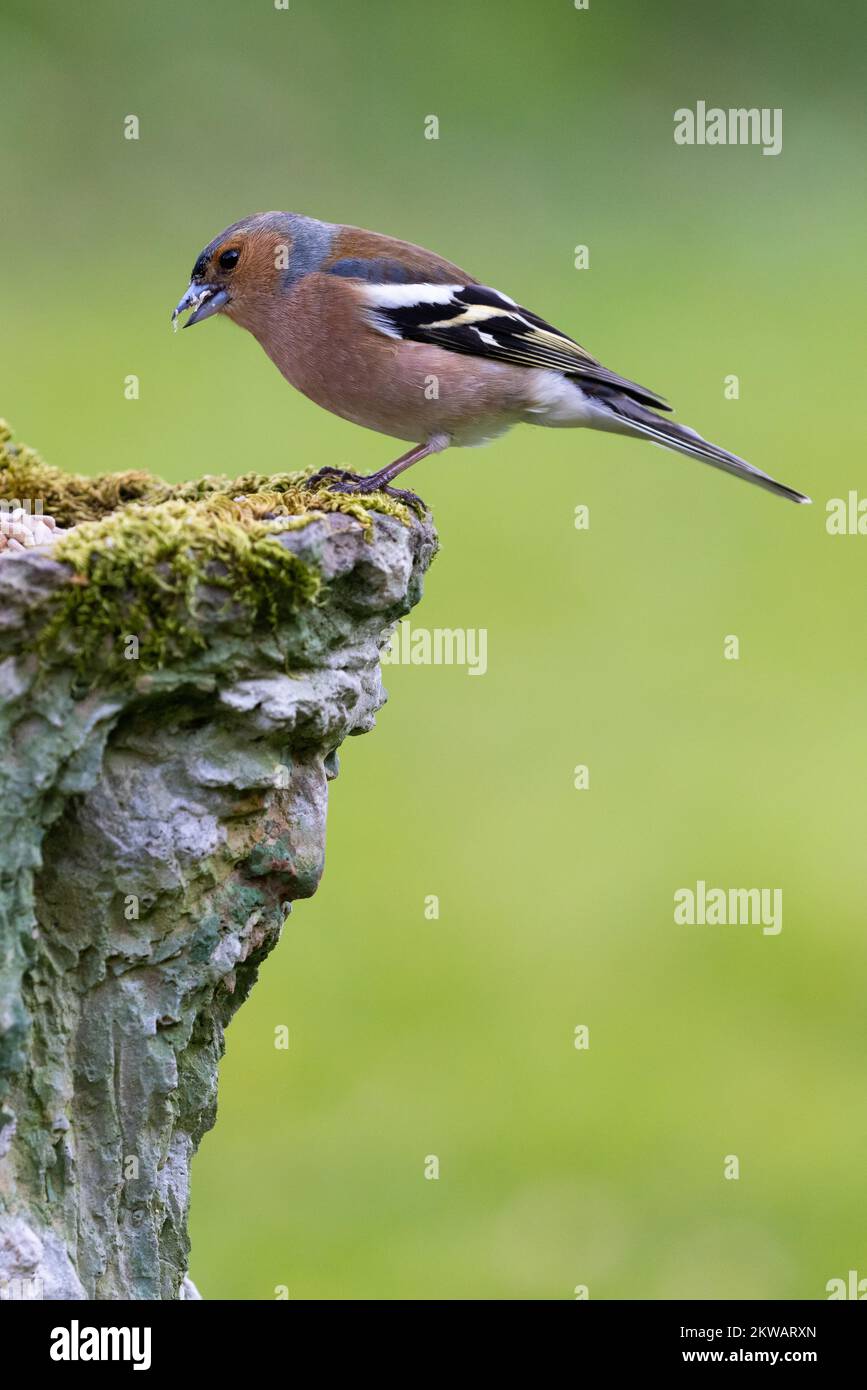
pixel 229 259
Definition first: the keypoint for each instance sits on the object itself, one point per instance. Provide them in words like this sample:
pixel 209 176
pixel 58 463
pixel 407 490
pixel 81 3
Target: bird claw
pixel 339 474
pixel 409 499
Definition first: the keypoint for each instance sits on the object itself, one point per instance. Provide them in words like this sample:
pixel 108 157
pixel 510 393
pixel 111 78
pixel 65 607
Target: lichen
pixel 142 552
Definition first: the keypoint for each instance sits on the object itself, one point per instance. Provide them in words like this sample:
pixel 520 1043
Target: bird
pixel 397 339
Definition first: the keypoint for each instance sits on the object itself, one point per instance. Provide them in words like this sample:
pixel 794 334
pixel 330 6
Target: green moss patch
pixel 72 498
pixel 141 572
pixel 145 554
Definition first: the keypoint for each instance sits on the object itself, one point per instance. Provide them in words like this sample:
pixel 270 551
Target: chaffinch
pixel 395 338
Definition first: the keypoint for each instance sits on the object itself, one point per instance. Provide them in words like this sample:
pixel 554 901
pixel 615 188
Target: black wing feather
pixel 503 332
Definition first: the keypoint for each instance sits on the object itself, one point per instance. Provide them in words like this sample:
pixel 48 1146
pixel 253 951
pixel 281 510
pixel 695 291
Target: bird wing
pixel 481 322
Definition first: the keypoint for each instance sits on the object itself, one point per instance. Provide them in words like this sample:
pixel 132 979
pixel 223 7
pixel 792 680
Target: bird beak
pixel 204 300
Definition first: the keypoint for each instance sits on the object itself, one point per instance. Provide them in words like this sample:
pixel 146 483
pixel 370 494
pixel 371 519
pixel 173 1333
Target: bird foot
pixel 341 480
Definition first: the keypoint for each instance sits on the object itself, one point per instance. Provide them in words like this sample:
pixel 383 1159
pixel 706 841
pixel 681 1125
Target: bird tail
pixel 635 419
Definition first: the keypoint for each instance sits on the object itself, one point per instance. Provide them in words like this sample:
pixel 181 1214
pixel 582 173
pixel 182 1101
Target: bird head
pixel 242 267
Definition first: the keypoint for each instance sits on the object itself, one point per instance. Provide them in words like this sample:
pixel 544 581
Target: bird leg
pixel 345 481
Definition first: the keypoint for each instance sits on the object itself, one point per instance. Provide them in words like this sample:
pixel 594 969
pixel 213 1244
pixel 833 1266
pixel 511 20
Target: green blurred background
pixel 454 1037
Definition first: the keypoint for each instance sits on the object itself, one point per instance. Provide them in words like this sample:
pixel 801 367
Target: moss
pixel 68 497
pixel 72 498
pixel 142 571
pixel 145 554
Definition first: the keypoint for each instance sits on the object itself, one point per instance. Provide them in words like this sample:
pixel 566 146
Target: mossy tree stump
pixel 176 675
